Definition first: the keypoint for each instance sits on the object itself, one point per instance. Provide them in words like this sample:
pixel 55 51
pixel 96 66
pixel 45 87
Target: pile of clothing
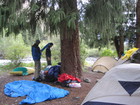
pixel 53 74
pixel 69 81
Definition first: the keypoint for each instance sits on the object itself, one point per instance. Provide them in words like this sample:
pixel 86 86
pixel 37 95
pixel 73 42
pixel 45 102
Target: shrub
pixel 16 50
pixel 83 52
pixel 108 52
pixel 55 50
pixel 94 52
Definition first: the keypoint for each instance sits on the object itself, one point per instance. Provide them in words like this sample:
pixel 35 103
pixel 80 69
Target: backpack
pixel 135 58
pixel 53 73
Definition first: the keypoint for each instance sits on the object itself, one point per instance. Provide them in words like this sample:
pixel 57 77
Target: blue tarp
pixel 36 92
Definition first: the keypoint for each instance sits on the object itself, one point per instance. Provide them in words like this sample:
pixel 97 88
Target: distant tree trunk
pixel 138 24
pixel 70 52
pixel 119 44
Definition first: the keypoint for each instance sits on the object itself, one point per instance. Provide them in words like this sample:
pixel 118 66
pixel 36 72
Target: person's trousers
pixel 37 69
pixel 48 60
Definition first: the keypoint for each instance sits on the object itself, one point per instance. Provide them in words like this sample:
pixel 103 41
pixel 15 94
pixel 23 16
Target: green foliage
pixel 108 52
pixel 27 64
pixel 11 16
pixel 71 20
pixel 16 49
pixel 93 52
pixel 101 20
pixel 83 52
pixel 56 16
pixel 8 67
pixel 34 7
pixel 4 43
pixel 56 54
pixel 55 49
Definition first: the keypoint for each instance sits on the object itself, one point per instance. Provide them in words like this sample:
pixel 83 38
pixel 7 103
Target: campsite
pixel 75 97
pixel 117 85
pixel 69 52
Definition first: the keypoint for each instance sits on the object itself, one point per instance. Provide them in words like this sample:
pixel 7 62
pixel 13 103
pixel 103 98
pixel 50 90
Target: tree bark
pixel 119 44
pixel 70 49
pixel 138 24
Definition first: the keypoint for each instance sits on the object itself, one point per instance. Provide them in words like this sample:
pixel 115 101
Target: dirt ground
pixel 75 97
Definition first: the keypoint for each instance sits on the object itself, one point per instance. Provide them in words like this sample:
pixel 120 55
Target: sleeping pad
pixel 35 92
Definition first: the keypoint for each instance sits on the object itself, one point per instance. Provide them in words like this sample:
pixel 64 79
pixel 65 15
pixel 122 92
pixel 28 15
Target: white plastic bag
pixel 76 85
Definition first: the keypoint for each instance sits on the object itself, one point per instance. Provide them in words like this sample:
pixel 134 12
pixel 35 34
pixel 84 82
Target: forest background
pixel 101 31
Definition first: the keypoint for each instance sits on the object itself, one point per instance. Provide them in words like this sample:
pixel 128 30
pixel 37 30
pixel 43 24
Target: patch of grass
pixel 27 65
pixel 6 68
pixel 10 66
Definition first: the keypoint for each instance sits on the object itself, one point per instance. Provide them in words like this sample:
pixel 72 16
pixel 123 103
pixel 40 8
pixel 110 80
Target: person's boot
pixel 37 79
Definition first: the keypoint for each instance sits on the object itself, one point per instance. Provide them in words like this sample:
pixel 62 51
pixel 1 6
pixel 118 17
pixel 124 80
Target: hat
pixel 51 44
pixel 37 41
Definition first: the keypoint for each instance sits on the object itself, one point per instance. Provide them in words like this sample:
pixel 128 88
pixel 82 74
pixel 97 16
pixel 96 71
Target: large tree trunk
pixel 70 52
pixel 138 24
pixel 119 44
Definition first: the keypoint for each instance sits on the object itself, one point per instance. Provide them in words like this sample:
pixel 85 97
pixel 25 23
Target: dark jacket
pixel 36 53
pixel 48 50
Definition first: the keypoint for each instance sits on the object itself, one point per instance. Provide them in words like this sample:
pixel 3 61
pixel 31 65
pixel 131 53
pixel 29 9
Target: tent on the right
pixel 119 86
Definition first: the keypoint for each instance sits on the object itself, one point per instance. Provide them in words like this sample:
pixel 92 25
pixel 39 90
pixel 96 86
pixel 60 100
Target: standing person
pixel 48 53
pixel 36 54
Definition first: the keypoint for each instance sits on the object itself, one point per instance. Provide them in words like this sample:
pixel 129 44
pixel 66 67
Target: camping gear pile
pixel 131 56
pixel 32 90
pixel 53 74
pixel 69 81
pixel 129 53
pixel 50 74
pixel 135 58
